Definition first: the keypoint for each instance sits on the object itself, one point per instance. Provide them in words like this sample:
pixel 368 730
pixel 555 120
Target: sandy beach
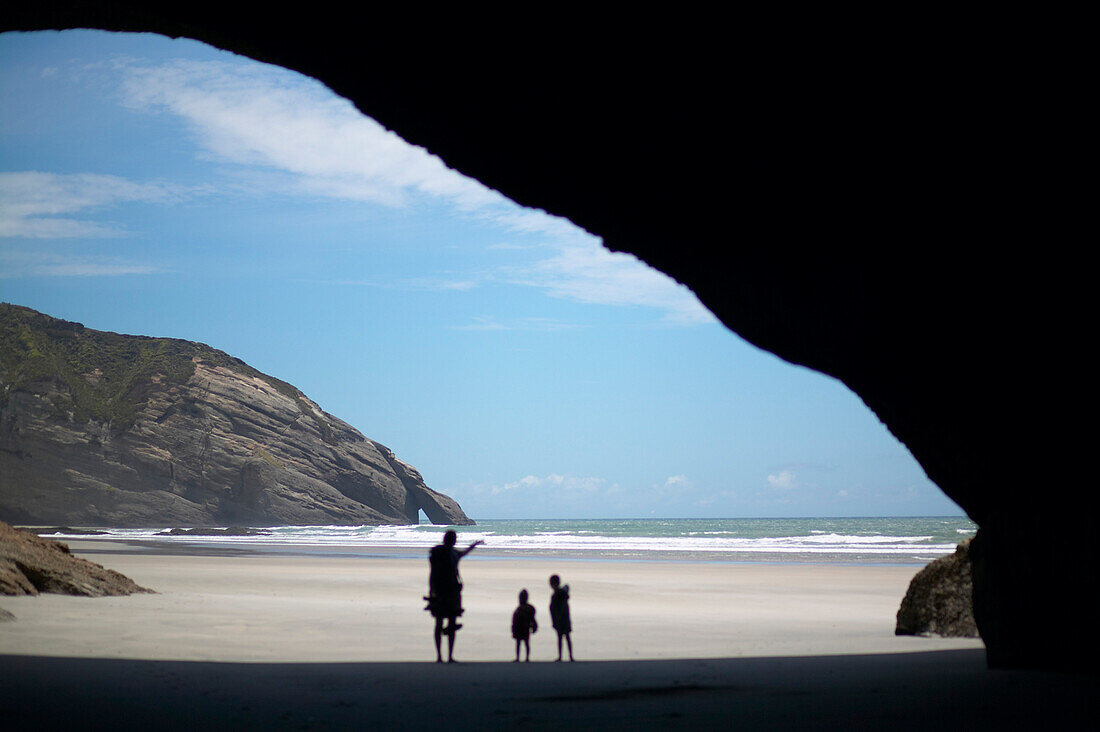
pixel 256 606
pixel 694 640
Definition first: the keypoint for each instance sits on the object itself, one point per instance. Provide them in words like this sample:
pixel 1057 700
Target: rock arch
pixel 864 204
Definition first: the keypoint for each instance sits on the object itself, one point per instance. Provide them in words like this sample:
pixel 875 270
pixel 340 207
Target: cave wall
pixel 866 198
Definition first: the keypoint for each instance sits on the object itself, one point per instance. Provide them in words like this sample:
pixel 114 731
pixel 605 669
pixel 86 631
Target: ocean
pixel 898 540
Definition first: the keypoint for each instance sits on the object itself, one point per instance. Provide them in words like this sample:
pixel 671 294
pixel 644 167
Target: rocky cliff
pixel 103 429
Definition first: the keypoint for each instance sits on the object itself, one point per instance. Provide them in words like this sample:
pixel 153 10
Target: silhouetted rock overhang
pixel 866 200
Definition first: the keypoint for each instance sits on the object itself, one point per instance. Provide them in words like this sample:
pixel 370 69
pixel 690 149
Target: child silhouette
pixel 523 624
pixel 559 613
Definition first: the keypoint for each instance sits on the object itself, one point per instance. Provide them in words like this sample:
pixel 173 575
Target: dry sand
pixel 309 641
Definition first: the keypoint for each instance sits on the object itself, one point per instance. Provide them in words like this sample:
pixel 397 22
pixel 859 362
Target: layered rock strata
pixel 102 429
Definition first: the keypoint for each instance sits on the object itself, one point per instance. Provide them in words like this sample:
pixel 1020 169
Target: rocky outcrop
pixel 940 599
pixel 102 429
pixel 228 531
pixel 68 531
pixel 30 564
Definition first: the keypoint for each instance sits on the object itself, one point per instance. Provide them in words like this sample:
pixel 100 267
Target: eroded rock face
pixel 940 599
pixel 30 564
pixel 196 439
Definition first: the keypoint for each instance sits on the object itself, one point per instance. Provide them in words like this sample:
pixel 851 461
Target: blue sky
pixel 161 187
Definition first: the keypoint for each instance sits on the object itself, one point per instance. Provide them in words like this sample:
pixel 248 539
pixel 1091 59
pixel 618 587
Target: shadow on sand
pixel 942 689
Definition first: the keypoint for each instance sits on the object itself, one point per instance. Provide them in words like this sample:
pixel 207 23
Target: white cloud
pixel 39 205
pixel 583 270
pixel 303 138
pixel 783 480
pixel 677 481
pixel 553 482
pixel 257 115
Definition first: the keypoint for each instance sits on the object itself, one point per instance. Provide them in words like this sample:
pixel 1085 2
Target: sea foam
pixel 870 539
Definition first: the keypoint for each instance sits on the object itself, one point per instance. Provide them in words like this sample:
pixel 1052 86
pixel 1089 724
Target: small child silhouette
pixel 523 624
pixel 559 613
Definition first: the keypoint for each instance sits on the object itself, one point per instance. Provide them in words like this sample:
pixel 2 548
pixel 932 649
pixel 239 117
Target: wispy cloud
pixel 285 132
pixel 554 482
pixel 509 246
pixel 566 494
pixel 310 141
pixel 490 323
pixel 582 270
pixel 264 116
pixel 43 264
pixel 427 284
pixel 555 494
pixel 40 205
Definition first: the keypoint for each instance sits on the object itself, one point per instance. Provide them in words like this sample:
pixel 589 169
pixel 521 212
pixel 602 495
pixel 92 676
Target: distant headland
pixel 104 429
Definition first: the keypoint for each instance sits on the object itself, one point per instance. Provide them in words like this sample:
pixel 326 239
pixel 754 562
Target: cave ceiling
pixel 827 199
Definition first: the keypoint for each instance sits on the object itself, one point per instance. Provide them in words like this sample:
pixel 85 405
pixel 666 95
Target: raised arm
pixel 470 548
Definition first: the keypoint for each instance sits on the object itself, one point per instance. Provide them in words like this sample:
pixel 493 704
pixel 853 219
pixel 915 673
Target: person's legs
pixel 568 642
pixel 527 645
pixel 559 646
pixel 452 631
pixel 517 649
pixel 438 638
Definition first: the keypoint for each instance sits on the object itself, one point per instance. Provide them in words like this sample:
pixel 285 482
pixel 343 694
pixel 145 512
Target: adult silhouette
pixel 445 591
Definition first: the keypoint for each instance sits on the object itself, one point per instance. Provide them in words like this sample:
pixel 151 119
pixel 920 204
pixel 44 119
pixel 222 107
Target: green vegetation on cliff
pixel 105 377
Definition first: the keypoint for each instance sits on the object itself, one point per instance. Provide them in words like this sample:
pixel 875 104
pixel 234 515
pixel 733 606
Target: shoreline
pixel 107 545
pixel 871 541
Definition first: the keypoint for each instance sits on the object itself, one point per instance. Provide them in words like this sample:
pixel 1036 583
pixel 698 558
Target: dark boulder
pixel 68 531
pixel 940 599
pixel 229 531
